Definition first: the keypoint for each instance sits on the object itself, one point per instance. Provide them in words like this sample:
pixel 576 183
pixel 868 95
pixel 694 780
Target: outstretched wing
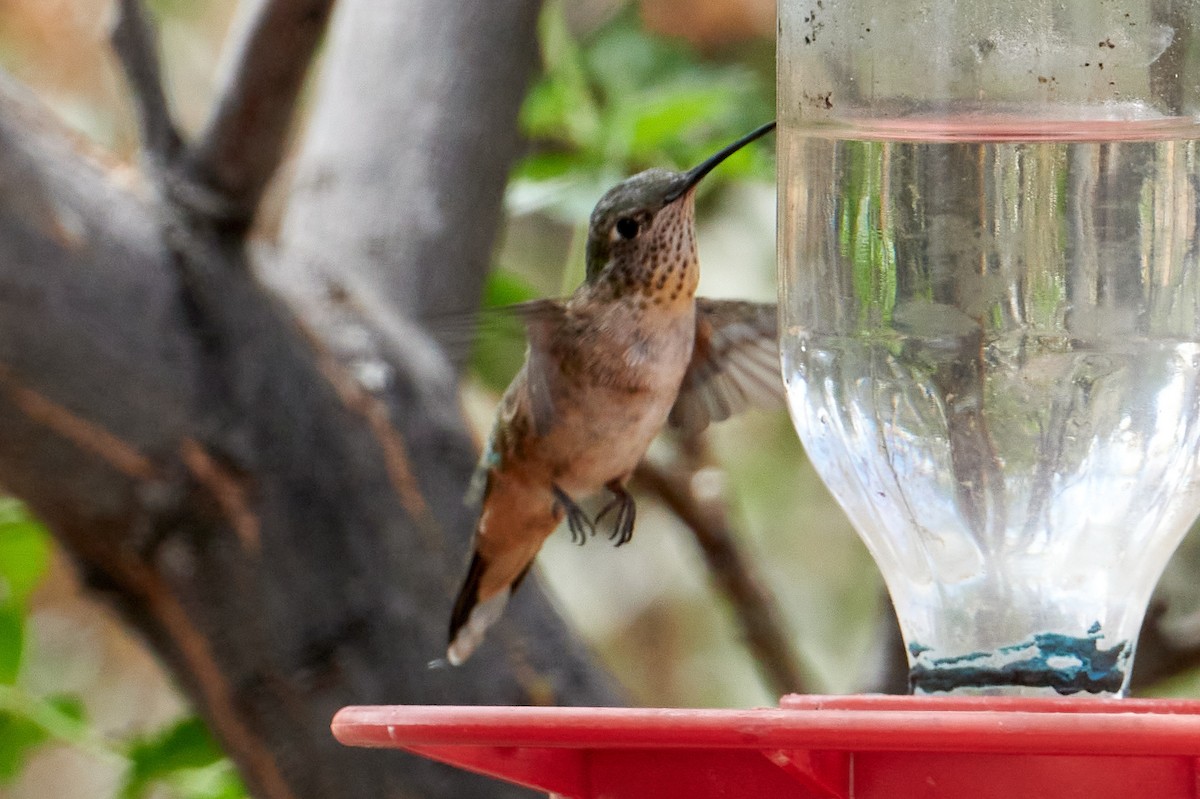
pixel 734 366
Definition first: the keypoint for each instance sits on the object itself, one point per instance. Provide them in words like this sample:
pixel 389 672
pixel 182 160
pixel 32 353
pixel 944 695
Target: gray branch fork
pixel 187 412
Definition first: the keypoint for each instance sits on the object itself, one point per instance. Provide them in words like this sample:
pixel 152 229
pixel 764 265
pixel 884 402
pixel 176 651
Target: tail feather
pixel 467 595
pixel 471 618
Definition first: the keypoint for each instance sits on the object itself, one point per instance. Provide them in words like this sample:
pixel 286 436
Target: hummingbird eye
pixel 627 227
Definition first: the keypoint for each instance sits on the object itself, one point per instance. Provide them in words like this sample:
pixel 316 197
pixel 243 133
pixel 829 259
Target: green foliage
pixel 12 642
pixel 18 737
pixel 24 557
pixel 623 100
pixel 24 552
pixel 609 104
pixel 26 722
pixel 184 757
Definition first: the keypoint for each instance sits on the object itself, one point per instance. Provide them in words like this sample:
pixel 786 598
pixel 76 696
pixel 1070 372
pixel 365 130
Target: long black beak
pixel 695 174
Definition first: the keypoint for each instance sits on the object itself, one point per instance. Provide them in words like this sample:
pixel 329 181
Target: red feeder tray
pixel 854 747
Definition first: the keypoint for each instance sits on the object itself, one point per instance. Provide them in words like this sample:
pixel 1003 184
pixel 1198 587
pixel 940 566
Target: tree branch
pixel 287 544
pixel 244 139
pixel 733 572
pixel 135 42
pixel 380 201
pixel 90 321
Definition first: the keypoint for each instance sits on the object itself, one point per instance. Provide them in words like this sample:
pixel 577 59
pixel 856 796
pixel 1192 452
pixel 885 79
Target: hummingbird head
pixel 642 230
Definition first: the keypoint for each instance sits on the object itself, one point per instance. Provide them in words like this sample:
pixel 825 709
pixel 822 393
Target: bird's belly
pixel 603 430
pixel 607 411
pixel 606 442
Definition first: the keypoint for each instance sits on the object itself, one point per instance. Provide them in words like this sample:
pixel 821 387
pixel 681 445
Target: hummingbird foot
pixel 626 509
pixel 577 521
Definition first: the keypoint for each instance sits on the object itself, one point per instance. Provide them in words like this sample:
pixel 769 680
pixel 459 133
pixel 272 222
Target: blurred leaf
pixel 218 781
pixel 24 552
pixel 659 121
pixel 68 708
pixel 504 288
pixel 624 58
pixel 27 721
pixel 555 109
pixel 562 104
pixel 546 166
pixel 18 735
pixel 24 558
pixel 59 717
pixel 186 745
pixel 12 642
pixel 622 101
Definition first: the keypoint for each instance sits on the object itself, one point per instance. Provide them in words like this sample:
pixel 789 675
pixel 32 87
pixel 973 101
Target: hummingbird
pixel 632 351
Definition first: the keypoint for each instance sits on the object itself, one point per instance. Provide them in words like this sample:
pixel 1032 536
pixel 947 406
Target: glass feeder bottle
pixel 990 313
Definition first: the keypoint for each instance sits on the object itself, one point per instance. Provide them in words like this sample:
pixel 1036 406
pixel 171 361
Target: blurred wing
pixel 458 332
pixel 535 313
pixel 542 318
pixel 734 366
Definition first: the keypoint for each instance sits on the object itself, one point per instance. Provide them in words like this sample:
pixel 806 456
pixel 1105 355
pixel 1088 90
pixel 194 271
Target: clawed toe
pixel 577 521
pixel 626 509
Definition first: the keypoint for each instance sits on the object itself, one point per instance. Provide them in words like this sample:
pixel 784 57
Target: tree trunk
pixel 270 492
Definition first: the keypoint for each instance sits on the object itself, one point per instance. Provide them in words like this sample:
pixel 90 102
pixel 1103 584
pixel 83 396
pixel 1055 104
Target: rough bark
pixel 244 139
pixel 283 530
pixel 420 167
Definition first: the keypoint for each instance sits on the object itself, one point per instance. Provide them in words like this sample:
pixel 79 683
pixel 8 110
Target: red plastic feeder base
pixel 851 747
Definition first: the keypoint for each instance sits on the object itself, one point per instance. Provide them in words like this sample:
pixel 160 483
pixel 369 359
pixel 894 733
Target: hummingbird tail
pixel 471 618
